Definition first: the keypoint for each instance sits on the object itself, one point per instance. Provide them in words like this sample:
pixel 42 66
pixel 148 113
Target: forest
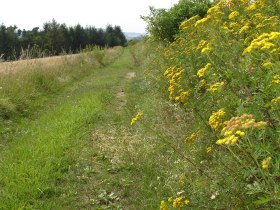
pixel 55 39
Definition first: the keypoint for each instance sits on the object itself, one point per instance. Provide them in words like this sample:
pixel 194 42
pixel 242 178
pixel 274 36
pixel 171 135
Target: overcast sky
pixel 27 14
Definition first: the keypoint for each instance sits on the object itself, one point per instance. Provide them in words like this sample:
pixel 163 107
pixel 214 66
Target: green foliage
pixel 164 24
pixel 223 72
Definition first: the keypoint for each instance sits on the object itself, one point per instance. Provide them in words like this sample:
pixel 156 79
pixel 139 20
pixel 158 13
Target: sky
pixel 27 14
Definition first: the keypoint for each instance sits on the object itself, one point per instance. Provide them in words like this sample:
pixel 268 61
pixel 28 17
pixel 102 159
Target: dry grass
pixel 119 144
pixel 56 61
pixel 47 63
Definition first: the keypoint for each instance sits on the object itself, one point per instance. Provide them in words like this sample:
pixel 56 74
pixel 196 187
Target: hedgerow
pixel 224 70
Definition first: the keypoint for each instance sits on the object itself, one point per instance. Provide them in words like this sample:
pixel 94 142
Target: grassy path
pixel 34 166
pixel 81 152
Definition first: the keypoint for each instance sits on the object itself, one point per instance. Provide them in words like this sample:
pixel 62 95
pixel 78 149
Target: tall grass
pixel 26 85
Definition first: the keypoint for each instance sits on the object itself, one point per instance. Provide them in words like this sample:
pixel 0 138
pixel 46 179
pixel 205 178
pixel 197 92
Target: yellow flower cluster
pixel 201 44
pixel 206 49
pixel 267 65
pixel 213 88
pixel 233 15
pixel 137 117
pixel 163 205
pixel 233 129
pixel 193 136
pixel 276 100
pixel 245 121
pixel 265 42
pixel 244 29
pixel 189 22
pixel 174 75
pixel 228 140
pixel 202 83
pixel 180 202
pixel 182 98
pixel 276 79
pixel 265 162
pixel 201 21
pixel 215 120
pixel 201 72
pixel 177 203
pixel 209 149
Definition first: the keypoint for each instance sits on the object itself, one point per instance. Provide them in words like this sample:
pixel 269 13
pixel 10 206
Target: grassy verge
pixel 28 86
pixel 82 153
pixel 43 146
pixel 130 167
pixel 33 166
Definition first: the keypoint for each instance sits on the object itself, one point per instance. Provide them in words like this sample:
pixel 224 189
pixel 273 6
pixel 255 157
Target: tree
pixel 54 36
pixel 164 24
pixel 9 43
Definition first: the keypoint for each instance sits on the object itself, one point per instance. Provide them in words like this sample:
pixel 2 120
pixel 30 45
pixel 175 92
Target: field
pixel 191 123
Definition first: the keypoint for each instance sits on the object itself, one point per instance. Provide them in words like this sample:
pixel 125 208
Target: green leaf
pixel 262 200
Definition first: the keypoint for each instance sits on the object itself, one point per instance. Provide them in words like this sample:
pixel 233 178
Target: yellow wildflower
pixel 215 119
pixel 215 11
pixel 179 202
pixel 193 136
pixel 163 205
pixel 189 22
pixel 240 123
pixel 276 79
pixel 201 72
pixel 170 199
pixel 265 162
pixel 206 49
pixel 233 14
pixel 182 97
pixel 276 100
pixel 215 87
pixel 267 65
pixel 186 202
pixel 201 44
pixel 209 149
pixel 228 140
pixel 240 133
pixel 137 117
pixel 202 83
pixel 244 29
pixel 266 41
pixel 233 25
pixel 199 22
pixel 251 7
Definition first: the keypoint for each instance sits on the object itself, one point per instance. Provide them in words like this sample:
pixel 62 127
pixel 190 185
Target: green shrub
pixel 164 24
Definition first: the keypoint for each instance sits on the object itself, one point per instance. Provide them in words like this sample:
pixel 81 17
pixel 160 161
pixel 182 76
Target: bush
pixel 164 24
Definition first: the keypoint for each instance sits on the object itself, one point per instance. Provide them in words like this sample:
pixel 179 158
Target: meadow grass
pixel 36 145
pixel 79 150
pixel 76 147
pixel 131 167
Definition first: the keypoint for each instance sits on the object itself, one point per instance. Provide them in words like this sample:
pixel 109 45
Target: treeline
pixel 55 39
